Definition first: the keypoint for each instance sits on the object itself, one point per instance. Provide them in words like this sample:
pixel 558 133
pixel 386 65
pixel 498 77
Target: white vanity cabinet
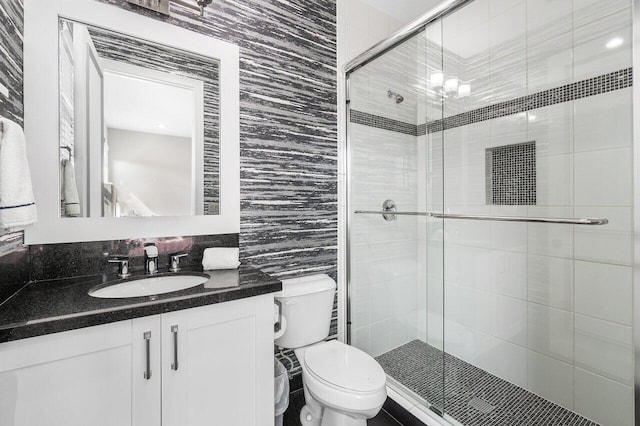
pixel 99 375
pixel 224 372
pixel 76 378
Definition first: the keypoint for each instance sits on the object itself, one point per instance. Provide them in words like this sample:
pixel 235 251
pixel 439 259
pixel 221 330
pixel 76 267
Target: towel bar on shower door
pixel 389 213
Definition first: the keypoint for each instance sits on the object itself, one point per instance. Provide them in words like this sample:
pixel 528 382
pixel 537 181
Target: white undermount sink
pixel 149 286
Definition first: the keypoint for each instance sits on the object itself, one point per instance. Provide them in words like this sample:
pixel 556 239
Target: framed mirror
pixel 132 121
pixel 131 125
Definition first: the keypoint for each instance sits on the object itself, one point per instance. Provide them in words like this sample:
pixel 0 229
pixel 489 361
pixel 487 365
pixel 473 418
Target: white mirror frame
pixel 41 117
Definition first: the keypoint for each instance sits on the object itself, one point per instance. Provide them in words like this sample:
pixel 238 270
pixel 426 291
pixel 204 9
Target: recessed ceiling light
pixel 615 42
pixel 161 126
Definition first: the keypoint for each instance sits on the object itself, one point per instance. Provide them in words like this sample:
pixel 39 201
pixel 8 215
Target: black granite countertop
pixel 53 306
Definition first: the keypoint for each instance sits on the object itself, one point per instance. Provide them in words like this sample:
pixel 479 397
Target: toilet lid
pixel 345 366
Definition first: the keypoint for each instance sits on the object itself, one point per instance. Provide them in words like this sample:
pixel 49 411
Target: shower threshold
pixel 473 396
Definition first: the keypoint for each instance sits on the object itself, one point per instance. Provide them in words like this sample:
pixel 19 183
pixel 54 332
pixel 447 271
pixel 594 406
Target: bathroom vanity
pixel 202 355
pixel 198 356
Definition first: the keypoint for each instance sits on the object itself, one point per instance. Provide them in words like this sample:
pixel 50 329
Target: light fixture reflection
pixel 437 78
pixel 615 42
pixel 451 84
pixel 464 90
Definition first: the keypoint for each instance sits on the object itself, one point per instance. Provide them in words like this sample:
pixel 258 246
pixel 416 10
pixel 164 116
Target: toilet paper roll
pixel 283 327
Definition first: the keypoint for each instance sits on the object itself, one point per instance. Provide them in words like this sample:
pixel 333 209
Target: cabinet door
pixel 80 377
pixel 146 371
pixel 225 365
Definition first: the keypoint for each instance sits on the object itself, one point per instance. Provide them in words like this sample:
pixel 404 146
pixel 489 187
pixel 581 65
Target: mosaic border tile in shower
pixel 605 83
pixel 616 80
pixel 419 366
pixel 379 122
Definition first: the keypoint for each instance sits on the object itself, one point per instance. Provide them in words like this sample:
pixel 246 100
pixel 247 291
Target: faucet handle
pixel 150 258
pixel 174 260
pixel 150 250
pixel 123 265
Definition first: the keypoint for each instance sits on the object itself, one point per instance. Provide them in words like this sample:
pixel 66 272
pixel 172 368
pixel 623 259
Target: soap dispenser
pixel 150 258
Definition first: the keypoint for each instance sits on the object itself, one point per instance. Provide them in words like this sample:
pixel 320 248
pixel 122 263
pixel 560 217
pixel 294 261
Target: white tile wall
pixel 550 281
pixel 550 331
pixel 604 291
pixel 547 19
pixel 591 56
pixel 604 348
pixel 598 128
pixel 550 378
pixel 603 178
pixel 609 244
pixel 552 129
pixel 550 61
pixel 605 401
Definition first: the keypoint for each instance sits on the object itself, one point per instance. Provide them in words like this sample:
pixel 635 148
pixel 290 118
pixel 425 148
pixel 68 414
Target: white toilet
pixel 343 386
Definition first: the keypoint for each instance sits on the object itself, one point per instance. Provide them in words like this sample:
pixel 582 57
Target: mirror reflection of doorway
pixel 149 151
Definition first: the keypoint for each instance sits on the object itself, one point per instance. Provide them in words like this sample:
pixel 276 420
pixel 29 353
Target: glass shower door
pixel 536 125
pixel 389 271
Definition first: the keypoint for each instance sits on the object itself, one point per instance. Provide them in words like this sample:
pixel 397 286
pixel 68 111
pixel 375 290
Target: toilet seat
pixel 335 391
pixel 344 367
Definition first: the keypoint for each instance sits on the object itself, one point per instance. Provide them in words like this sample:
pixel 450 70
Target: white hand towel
pixel 17 204
pixel 220 258
pixel 70 190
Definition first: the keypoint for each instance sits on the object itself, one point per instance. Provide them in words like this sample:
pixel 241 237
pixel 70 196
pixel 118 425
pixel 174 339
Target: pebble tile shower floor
pixel 473 396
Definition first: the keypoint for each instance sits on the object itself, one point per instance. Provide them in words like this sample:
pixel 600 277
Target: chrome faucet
pixel 174 261
pixel 123 265
pixel 150 258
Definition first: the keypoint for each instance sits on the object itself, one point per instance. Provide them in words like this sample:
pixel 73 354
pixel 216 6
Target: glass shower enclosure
pixel 490 211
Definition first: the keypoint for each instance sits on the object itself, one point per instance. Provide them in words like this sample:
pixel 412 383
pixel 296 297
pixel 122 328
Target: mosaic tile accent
pixel 616 80
pixel 581 89
pixel 178 62
pixel 511 174
pixel 380 122
pixel 419 366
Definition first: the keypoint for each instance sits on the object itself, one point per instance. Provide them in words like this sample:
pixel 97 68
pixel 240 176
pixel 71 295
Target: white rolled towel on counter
pixel 220 258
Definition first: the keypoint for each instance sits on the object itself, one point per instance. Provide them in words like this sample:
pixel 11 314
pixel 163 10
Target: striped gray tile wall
pixel 13 257
pixel 11 30
pixel 178 62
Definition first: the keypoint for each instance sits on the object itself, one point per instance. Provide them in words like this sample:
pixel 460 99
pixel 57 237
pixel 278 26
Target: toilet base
pixel 327 417
pixel 334 418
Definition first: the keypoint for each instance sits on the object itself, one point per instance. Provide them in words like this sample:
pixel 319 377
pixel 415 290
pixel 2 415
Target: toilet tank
pixel 307 303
